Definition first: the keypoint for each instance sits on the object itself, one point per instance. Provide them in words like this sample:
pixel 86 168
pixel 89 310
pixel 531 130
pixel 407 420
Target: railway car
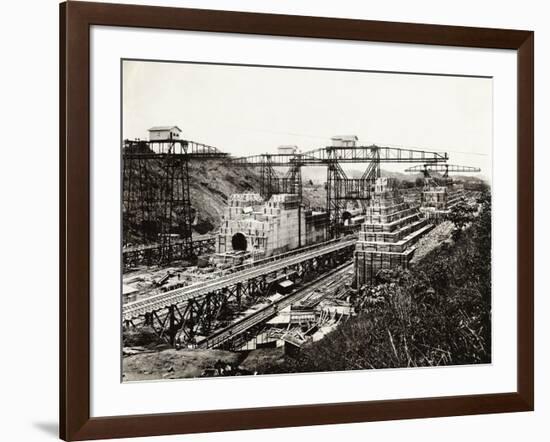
pixel 349 215
pixel 285 287
pixel 357 220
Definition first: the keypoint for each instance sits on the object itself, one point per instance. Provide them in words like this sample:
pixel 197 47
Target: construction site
pixel 230 262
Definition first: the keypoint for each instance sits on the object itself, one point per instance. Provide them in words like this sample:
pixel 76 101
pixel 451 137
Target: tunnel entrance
pixel 346 217
pixel 238 241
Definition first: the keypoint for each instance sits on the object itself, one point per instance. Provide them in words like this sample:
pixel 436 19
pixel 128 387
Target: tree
pixel 461 215
pixel 438 313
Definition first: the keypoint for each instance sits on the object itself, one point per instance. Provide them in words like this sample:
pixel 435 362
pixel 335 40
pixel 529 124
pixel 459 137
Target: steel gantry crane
pixel 339 187
pixel 156 203
pixel 428 169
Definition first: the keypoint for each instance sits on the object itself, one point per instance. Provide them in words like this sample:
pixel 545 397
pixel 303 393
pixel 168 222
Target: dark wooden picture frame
pixel 76 18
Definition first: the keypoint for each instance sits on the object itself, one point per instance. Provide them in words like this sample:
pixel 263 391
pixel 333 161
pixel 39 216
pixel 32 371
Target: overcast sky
pixel 248 110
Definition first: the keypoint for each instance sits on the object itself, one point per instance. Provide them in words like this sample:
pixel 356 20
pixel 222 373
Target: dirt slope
pixel 211 183
pixel 173 364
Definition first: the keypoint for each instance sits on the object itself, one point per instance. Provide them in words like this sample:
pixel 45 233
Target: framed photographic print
pixel 273 220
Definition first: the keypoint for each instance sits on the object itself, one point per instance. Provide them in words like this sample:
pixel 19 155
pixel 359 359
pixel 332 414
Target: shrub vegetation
pixel 437 313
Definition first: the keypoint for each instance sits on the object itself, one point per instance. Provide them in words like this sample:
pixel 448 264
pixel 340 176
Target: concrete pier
pixel 262 228
pixel 387 237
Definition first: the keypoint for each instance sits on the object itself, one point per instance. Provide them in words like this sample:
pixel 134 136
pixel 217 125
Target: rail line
pixel 144 247
pixel 233 330
pixel 139 308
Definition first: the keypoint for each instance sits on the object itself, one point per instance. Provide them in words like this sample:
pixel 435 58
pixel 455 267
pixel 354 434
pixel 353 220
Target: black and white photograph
pixel 283 220
pixel 297 220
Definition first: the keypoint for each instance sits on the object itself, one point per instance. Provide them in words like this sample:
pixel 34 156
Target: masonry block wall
pixel 387 238
pixel 316 226
pixel 269 227
pixel 437 201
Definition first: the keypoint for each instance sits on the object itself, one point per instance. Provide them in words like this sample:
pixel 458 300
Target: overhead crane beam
pixel 384 154
pixel 443 168
pixel 340 188
pixel 356 154
pixel 157 149
pixel 275 160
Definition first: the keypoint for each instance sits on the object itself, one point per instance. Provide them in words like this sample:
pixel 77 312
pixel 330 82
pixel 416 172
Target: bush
pixel 461 215
pixel 437 314
pixel 139 337
pixel 203 226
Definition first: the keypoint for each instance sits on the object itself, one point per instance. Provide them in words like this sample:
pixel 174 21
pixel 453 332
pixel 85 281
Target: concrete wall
pixel 316 227
pixel 275 226
pixel 437 201
pixel 387 237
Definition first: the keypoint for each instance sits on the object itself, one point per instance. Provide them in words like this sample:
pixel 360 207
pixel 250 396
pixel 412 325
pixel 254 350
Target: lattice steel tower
pixel 156 200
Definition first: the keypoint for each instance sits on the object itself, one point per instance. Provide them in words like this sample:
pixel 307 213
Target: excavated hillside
pixel 211 183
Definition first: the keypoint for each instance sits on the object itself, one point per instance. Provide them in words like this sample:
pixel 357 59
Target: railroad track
pixel 157 302
pixel 144 247
pixel 233 330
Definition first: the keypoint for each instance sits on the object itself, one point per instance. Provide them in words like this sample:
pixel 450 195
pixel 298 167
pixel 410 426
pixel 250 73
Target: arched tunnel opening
pixel 238 242
pixel 346 217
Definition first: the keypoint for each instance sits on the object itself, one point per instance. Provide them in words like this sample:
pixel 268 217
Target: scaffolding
pixel 339 187
pixel 156 200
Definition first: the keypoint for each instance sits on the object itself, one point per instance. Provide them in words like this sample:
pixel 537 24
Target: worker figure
pixel 219 366
pixel 228 369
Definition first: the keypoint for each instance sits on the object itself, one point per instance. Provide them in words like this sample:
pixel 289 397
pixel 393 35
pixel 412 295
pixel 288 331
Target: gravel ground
pixel 433 239
pixel 173 364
